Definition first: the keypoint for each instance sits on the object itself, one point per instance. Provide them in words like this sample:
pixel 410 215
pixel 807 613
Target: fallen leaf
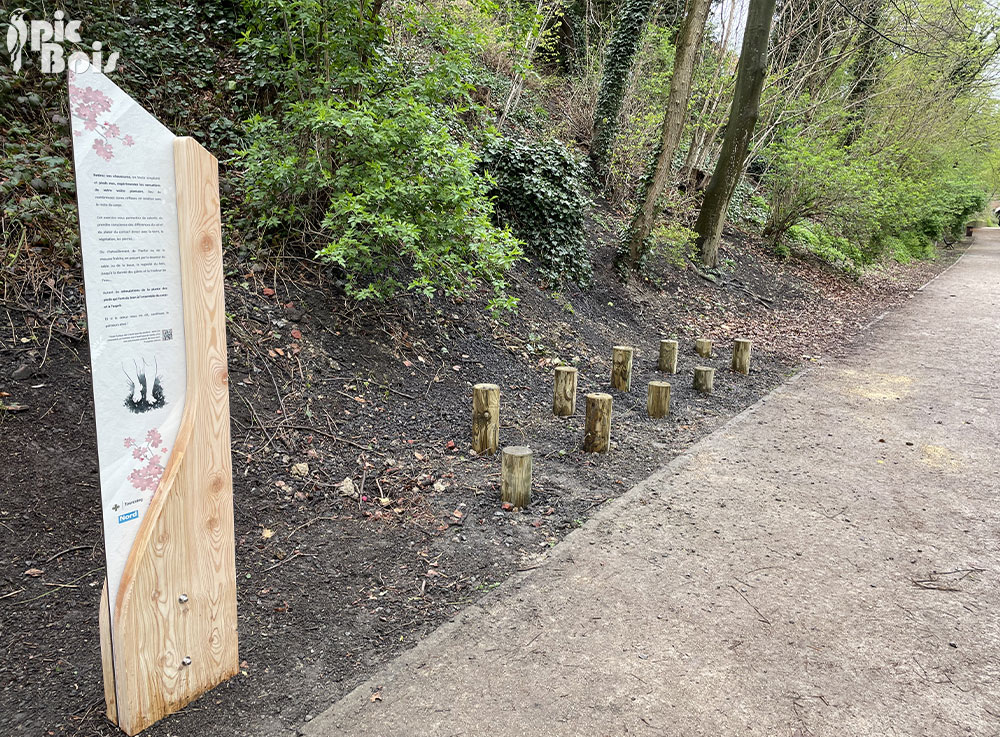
pixel 34 572
pixel 377 696
pixel 297 334
pixel 267 291
pixel 267 533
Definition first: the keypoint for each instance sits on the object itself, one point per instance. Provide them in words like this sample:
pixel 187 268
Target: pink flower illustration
pixel 146 476
pixel 88 106
pixel 103 150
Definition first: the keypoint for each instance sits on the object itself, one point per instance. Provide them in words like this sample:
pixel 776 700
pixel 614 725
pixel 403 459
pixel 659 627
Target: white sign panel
pixel 128 231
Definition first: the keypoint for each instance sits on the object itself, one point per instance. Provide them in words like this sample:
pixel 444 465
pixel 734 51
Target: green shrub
pixel 673 242
pixel 382 190
pixel 539 192
pixel 833 249
pixel 360 157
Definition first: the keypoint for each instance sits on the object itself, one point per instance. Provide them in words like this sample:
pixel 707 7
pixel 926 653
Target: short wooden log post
pixel 597 433
pixel 658 399
pixel 741 355
pixel 564 391
pixel 485 418
pixel 621 367
pixel 704 376
pixel 703 347
pixel 668 356
pixel 515 476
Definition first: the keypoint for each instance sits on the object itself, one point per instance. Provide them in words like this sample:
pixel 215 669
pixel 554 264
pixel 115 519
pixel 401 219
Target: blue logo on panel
pixel 128 516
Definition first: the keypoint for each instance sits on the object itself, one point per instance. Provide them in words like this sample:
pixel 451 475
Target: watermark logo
pixel 47 39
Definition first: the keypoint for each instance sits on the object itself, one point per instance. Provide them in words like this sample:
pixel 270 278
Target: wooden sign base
pixel 174 631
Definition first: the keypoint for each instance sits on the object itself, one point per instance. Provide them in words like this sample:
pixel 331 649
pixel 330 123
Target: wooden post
pixel 703 379
pixel 173 636
pixel 658 399
pixel 621 367
pixel 668 356
pixel 703 347
pixel 485 418
pixel 515 476
pixel 741 356
pixel 564 391
pixel 597 433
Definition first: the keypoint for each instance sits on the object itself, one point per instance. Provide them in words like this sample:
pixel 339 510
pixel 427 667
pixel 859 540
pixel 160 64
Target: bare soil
pixel 333 584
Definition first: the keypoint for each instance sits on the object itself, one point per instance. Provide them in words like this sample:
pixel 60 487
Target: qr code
pixel 168 334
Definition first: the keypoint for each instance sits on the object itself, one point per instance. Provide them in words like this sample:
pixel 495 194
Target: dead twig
pixel 761 617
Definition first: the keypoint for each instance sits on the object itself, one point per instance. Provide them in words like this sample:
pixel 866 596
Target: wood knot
pixel 207 243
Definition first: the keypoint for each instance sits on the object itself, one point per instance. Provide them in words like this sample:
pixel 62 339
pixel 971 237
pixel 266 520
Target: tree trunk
pixel 688 41
pixel 742 121
pixel 617 66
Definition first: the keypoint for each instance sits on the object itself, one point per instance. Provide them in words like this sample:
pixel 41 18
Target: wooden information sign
pixel 151 239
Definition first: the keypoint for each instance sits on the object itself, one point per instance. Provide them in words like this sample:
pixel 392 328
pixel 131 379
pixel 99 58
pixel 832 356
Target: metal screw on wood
pixel 182 598
pixel 186 660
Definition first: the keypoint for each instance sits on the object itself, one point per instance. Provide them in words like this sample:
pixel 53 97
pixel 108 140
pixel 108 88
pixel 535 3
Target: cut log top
pixel 517 451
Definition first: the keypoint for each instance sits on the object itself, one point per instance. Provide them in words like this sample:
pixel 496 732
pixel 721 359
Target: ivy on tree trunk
pixel 742 121
pixel 617 65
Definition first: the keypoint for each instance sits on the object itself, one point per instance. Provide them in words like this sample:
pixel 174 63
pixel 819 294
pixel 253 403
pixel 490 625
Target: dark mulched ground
pixel 331 585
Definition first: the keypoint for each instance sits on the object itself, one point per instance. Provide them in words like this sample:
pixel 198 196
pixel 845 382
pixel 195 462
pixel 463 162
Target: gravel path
pixel 825 564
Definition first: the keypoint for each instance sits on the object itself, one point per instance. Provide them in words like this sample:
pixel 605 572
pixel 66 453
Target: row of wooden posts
pixel 516 466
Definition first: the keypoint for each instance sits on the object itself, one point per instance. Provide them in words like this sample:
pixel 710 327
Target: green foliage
pixel 862 194
pixel 539 191
pixel 835 250
pixel 169 63
pixel 380 187
pixel 617 66
pixel 641 116
pixel 373 178
pixel 747 207
pixel 673 242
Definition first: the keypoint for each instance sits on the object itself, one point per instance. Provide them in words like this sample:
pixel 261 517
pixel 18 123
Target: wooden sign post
pixel 168 608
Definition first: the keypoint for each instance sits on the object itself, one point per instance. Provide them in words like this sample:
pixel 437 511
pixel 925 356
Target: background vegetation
pixel 428 147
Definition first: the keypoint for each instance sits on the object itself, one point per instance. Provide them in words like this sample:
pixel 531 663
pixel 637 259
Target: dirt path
pixel 825 564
